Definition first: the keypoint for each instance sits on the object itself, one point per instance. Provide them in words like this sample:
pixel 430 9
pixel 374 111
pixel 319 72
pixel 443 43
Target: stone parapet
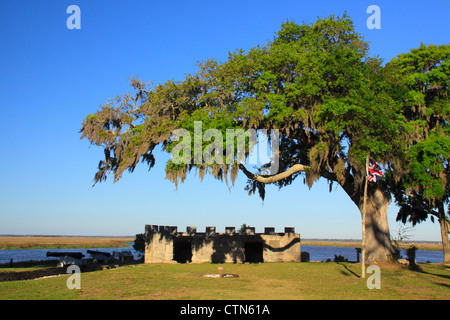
pixel 166 244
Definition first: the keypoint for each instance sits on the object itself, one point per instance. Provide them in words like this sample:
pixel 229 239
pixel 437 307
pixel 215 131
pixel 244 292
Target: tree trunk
pixel 378 244
pixel 444 234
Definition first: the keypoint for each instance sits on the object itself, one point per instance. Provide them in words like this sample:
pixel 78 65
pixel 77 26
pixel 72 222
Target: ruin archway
pixel 253 251
pixel 182 250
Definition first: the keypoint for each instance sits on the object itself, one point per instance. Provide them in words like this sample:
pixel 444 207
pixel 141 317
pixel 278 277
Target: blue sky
pixel 52 77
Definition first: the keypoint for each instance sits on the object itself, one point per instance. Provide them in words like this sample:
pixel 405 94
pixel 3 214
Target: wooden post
pixel 363 245
pixel 358 252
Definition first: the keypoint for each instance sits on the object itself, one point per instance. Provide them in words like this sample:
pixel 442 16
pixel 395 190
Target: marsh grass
pixel 265 281
pixel 14 243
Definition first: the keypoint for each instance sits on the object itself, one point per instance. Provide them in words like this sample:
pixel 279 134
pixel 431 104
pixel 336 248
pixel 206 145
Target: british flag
pixel 374 172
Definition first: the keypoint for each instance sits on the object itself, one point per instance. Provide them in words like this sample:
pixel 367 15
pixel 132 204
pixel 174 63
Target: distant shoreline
pixel 420 245
pixel 61 236
pixel 62 242
pixel 359 240
pixel 133 236
pixel 74 241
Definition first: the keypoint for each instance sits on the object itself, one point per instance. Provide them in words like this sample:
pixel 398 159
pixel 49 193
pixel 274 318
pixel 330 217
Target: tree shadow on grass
pixel 421 270
pixel 344 273
pixel 435 281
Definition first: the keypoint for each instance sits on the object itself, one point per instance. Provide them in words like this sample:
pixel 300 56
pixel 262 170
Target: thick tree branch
pixel 271 179
pixel 347 185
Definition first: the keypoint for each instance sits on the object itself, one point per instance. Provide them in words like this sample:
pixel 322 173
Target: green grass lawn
pixel 265 281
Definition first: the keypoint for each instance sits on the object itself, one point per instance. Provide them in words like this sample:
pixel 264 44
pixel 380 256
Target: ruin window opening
pixel 182 250
pixel 253 251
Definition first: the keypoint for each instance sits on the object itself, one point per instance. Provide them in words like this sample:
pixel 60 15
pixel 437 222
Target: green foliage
pixel 331 102
pixel 139 243
pixel 421 84
pixel 427 163
pixel 243 228
pixel 339 258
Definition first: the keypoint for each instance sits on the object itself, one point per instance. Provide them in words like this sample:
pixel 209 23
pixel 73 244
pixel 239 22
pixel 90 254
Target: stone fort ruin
pixel 165 244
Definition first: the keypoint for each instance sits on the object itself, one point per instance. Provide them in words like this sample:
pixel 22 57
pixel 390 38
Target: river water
pixel 317 253
pixel 322 253
pixel 41 254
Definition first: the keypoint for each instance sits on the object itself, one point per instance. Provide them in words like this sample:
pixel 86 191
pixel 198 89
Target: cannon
pixel 68 258
pixel 123 256
pixel 76 255
pixel 99 256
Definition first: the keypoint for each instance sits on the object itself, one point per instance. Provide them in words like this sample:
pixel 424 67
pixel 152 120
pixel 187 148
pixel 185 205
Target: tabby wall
pixel 164 244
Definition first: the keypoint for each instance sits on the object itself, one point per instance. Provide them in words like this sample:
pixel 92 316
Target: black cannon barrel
pixel 76 255
pixel 99 252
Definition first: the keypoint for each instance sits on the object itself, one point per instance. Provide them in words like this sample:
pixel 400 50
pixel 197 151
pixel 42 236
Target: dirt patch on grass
pixel 392 266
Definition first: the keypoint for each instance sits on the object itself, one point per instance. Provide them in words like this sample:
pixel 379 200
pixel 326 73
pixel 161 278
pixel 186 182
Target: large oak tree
pixel 422 84
pixel 331 102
